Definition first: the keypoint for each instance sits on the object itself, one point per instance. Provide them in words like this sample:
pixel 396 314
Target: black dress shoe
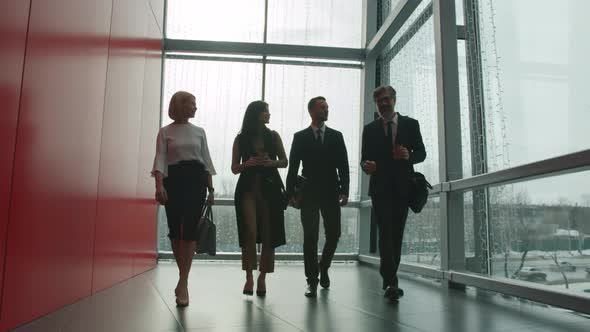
pixel 391 293
pixel 324 279
pixel 312 290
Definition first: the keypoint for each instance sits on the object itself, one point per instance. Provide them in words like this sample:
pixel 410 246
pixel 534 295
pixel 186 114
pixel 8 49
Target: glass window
pixel 422 235
pixel 223 89
pixel 535 79
pixel 336 23
pixel 224 86
pixel 411 70
pixel 227 233
pixel 347 244
pixel 219 20
pixel 224 218
pixel 464 102
pixel 459 12
pixel 290 87
pixel 539 232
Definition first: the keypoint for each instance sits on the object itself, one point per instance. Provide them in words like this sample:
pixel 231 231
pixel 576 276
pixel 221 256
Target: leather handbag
pixel 418 191
pixel 206 232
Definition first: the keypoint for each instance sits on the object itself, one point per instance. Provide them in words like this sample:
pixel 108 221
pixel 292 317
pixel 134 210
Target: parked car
pixel 564 267
pixel 531 274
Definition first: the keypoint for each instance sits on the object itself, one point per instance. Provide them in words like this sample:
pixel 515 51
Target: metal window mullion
pixel 181 56
pixel 368 74
pixel 481 208
pixel 565 164
pixel 269 49
pixel 413 29
pixel 391 25
pixel 449 125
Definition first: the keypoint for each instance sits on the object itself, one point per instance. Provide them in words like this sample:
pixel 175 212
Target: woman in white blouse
pixel 183 170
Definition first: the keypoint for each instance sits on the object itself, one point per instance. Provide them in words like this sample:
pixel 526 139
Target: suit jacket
pixel 392 176
pixel 325 166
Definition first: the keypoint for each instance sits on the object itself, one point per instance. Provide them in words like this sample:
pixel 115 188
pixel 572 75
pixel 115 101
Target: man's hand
pixel 210 199
pixel 400 152
pixel 161 195
pixel 369 166
pixel 295 202
pixel 343 200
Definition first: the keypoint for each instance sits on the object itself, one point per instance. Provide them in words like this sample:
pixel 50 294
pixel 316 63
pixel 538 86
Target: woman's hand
pixel 251 162
pixel 267 162
pixel 161 195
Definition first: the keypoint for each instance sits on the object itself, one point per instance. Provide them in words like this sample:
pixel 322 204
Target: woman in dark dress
pixel 257 153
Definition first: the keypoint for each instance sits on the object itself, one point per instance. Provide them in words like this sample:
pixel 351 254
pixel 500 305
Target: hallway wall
pixel 14 18
pixel 77 207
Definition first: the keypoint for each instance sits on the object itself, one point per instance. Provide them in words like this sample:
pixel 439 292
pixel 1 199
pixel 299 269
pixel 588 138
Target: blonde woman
pixel 182 171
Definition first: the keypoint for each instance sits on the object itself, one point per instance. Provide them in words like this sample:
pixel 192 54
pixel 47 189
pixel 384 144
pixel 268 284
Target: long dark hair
pixel 251 125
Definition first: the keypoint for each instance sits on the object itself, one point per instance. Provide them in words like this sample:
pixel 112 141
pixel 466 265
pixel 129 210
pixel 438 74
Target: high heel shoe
pixel 248 290
pixel 182 298
pixel 261 288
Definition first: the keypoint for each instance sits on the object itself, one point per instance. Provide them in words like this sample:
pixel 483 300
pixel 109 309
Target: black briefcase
pixel 298 191
pixel 418 191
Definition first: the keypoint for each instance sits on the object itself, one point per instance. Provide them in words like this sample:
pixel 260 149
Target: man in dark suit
pixel 391 145
pixel 325 167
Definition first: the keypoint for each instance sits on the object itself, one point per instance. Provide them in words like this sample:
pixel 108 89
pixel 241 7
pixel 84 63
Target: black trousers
pixel 311 207
pixel 391 213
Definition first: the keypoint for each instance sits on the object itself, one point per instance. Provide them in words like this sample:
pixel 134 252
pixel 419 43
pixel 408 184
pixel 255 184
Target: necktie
pixel 389 135
pixel 318 136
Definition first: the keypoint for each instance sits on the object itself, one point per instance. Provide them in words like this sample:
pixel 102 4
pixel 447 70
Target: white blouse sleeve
pixel 206 157
pixel 161 158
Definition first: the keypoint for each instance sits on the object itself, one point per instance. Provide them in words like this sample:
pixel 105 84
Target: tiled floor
pixel 353 303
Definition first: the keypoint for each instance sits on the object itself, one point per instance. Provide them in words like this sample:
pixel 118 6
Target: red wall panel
pixel 118 202
pixel 126 228
pixel 55 178
pixel 14 18
pixel 82 214
pixel 146 227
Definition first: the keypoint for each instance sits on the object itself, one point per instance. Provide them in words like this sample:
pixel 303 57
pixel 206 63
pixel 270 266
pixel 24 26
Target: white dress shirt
pixel 181 141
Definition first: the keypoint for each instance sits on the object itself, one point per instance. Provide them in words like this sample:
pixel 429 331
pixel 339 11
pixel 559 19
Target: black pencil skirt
pixel 186 185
